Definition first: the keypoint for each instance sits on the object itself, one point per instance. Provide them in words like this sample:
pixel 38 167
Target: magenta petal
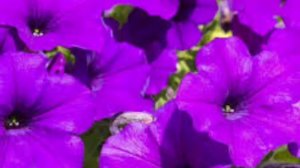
pixel 65 110
pixel 290 13
pixel 41 114
pixel 73 112
pixel 161 70
pixel 41 148
pixel 23 73
pixel 44 25
pixel 9 40
pixel 148 33
pixel 251 104
pixel 269 67
pixel 118 75
pixel 226 63
pixel 119 94
pixel 284 42
pixel 206 8
pixel 139 148
pixel 207 93
pixel 184 144
pixel 170 141
pixel 254 41
pixel 33 89
pixel 185 32
pixel 183 35
pixel 259 15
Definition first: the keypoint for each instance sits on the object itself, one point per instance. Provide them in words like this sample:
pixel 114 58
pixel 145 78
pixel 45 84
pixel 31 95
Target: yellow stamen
pixel 13 123
pixel 37 32
pixel 228 109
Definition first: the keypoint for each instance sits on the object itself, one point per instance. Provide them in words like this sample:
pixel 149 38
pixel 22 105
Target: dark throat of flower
pixel 15 121
pixel 39 25
pixel 37 32
pixel 231 105
pixel 234 107
pixel 228 108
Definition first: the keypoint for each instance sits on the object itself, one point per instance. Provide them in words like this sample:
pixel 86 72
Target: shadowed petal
pixel 259 15
pixel 166 142
pixel 163 8
pixel 118 76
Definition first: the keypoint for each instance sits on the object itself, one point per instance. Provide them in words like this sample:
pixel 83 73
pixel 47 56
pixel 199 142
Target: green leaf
pixel 93 141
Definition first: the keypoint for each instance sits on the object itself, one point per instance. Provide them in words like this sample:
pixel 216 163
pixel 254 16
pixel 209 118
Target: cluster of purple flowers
pixel 65 64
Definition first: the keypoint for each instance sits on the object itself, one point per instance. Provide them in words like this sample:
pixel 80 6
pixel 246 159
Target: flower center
pixel 228 109
pixel 234 107
pixel 14 122
pixel 37 32
pixel 40 23
pixel 231 105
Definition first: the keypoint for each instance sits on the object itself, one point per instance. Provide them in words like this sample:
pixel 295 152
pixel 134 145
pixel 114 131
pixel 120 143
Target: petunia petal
pixel 39 147
pixel 183 35
pixel 259 15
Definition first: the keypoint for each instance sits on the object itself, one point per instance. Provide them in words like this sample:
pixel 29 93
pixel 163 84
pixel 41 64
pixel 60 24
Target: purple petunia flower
pixel 9 40
pixel 41 114
pixel 249 103
pixel 161 38
pixel 163 65
pixel 179 32
pixel 140 32
pixel 260 16
pixel 255 42
pixel 230 21
pixel 184 32
pixel 285 42
pixel 170 141
pixel 290 13
pixel 45 24
pixel 117 75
